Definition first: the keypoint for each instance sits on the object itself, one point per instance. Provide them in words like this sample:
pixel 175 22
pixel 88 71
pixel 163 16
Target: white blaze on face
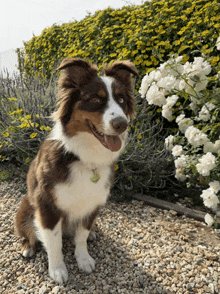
pixel 113 109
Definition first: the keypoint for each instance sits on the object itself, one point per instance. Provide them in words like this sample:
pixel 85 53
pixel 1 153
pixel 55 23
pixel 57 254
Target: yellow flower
pixel 185 58
pixel 214 61
pixel 24 125
pixel 28 116
pixel 139 136
pixel 33 135
pixel 205 32
pixel 12 99
pixel 27 160
pixel 184 17
pixel 116 167
pixel 148 63
pixel 6 134
pixel 48 128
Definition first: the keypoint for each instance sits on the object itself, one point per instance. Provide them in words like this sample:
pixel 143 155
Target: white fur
pixel 84 260
pixel 52 241
pixel 79 196
pixel 86 146
pixel 113 110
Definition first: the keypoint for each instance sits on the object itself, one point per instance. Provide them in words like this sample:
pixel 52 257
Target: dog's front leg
pixel 52 240
pixel 84 260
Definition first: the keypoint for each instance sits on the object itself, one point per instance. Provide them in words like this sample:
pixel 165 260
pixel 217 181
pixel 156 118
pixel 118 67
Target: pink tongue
pixel 113 142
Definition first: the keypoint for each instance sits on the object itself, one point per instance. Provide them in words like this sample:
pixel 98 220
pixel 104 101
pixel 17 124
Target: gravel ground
pixel 138 249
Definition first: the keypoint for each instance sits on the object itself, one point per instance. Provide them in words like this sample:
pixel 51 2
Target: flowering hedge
pixel 188 95
pixel 25 107
pixel 147 34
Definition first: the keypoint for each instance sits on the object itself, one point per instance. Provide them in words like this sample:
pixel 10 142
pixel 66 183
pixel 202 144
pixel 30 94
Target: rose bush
pixel 188 96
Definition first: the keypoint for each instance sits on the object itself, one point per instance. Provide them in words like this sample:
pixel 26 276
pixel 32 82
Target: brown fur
pixel 121 71
pixel 76 72
pixel 48 168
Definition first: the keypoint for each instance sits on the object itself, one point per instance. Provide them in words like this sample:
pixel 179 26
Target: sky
pixel 20 19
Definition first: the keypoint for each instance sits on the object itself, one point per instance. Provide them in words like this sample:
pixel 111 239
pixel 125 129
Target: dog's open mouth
pixel 112 143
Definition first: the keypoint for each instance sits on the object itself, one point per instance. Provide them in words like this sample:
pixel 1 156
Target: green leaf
pixel 194 169
pixel 182 48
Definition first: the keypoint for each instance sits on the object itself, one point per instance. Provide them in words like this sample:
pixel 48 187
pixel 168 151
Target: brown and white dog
pixel 71 176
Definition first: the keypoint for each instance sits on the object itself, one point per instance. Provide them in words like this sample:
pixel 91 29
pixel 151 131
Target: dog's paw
pixel 27 250
pixel 86 263
pixel 59 273
pixel 92 236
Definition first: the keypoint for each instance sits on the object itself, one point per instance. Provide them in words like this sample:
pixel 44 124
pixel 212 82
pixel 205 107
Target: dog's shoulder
pixel 50 166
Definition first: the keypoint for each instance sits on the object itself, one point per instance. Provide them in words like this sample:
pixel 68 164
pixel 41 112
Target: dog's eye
pixel 121 100
pixel 96 100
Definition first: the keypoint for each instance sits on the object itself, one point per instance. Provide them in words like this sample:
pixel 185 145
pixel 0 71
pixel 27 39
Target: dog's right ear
pixel 77 71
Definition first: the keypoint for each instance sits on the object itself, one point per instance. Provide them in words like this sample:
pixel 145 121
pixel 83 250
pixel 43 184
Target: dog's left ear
pixel 121 70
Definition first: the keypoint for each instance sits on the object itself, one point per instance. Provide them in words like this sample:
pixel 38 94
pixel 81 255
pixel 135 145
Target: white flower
pixel 187 68
pixel 201 84
pixel 171 100
pixel 167 112
pixel 147 80
pixel 204 114
pixel 179 59
pixel 172 67
pixel 179 118
pixel 155 96
pixel 167 108
pixel 201 67
pixel 217 146
pixel 207 163
pixel 181 162
pixel 196 75
pixel 194 104
pixel 177 150
pixel 209 147
pixel 218 43
pixel 209 220
pixel 180 175
pixel 184 124
pixel 209 198
pixel 215 186
pixel 145 84
pixel 167 82
pixel 195 136
pixel 169 142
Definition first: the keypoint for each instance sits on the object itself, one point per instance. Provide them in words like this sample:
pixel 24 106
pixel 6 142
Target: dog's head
pixel 101 106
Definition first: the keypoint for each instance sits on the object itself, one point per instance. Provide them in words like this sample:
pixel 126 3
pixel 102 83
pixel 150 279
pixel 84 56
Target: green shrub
pixel 25 107
pixel 146 34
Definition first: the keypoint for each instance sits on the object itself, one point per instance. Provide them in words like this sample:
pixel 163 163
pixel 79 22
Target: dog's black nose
pixel 119 124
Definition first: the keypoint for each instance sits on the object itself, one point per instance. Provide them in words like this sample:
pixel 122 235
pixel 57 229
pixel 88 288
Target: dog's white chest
pixel 86 189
